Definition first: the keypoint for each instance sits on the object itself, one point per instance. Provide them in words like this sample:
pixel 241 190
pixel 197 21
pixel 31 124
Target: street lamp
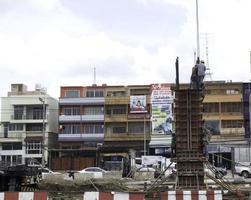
pixel 144 134
pixel 42 100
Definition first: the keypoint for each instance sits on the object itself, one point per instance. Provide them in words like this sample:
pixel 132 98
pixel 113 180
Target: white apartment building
pixel 25 128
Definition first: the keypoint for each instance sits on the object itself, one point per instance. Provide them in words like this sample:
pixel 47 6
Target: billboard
pixel 138 104
pixel 162 115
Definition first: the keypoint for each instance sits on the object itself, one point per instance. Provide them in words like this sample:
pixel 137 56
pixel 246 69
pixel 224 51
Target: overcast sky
pixel 59 42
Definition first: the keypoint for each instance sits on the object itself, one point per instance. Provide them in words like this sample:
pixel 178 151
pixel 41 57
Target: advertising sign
pixel 138 104
pixel 162 116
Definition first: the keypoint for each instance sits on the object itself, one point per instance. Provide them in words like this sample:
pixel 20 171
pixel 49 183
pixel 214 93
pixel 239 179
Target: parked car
pixel 243 169
pixel 95 171
pixel 45 172
pixel 146 169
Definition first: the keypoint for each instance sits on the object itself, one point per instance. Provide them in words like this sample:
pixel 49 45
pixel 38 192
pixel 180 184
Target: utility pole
pixel 42 100
pixel 198 31
pixel 144 134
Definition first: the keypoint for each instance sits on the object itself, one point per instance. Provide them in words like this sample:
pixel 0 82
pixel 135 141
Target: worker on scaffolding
pixel 198 74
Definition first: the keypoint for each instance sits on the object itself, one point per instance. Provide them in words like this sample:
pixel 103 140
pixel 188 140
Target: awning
pixel 160 141
pixel 217 148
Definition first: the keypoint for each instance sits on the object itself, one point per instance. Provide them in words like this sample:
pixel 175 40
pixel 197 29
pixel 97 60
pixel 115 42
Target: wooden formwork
pixel 189 139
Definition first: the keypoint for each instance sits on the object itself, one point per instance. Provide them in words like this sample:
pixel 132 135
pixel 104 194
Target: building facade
pixel 81 126
pixel 127 122
pixel 224 117
pixel 29 121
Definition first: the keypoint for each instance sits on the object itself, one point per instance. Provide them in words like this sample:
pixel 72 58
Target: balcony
pixel 88 137
pixel 126 136
pixel 121 100
pixel 12 152
pixel 116 118
pixel 232 131
pixel 28 118
pixel 80 118
pixel 223 98
pixel 82 101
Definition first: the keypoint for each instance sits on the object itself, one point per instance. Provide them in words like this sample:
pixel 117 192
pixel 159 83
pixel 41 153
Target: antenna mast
pixel 197 28
pixel 94 74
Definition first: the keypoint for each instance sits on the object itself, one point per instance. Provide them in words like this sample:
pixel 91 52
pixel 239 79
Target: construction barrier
pixel 23 195
pixel 192 195
pixel 113 196
pixel 170 195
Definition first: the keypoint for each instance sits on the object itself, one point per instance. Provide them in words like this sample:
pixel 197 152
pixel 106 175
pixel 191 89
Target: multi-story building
pixel 223 115
pixel 81 126
pixel 127 122
pixel 29 121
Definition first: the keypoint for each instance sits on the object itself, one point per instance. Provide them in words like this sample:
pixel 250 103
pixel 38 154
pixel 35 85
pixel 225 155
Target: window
pixel 116 110
pixel 119 93
pixel 71 129
pixel 232 91
pixel 213 126
pixel 37 113
pixel 5 131
pixel 72 111
pixel 231 107
pixel 232 124
pixel 90 93
pixel 93 110
pixel 99 93
pixel 18 112
pixel 12 146
pixel 136 128
pixel 93 128
pixel 16 159
pixel 119 110
pixel 94 93
pixel 140 92
pixel 211 107
pixel 72 93
pixel 15 127
pixel 34 127
pixel 33 147
pixel 119 129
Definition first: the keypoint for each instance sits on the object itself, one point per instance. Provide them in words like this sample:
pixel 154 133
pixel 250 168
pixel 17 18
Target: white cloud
pixel 44 42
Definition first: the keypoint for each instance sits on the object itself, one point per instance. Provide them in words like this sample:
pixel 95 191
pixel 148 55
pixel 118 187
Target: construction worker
pixel 198 74
pixel 201 71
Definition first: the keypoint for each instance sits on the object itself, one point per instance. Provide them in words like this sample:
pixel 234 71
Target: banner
pixel 162 116
pixel 138 104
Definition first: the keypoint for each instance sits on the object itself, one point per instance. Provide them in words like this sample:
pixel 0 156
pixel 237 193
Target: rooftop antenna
pixel 94 75
pixel 194 56
pixel 198 36
pixel 208 73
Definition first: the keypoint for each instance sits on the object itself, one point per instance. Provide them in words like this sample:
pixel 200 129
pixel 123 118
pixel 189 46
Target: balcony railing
pixel 82 101
pixel 81 137
pixel 122 99
pixel 232 131
pixel 127 136
pixel 73 118
pixel 29 116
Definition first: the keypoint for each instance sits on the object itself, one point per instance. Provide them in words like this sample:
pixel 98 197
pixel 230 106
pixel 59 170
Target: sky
pixel 59 42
